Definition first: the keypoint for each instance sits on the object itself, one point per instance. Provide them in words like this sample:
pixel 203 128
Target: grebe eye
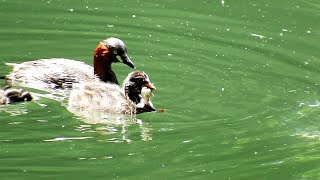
pixel 115 52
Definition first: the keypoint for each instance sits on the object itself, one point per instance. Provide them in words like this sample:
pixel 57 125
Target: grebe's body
pixel 62 73
pixel 133 98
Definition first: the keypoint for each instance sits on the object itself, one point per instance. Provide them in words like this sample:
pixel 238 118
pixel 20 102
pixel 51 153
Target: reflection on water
pixel 111 124
pixel 307 134
pixel 116 127
pixel 15 109
pixel 95 158
pixel 66 138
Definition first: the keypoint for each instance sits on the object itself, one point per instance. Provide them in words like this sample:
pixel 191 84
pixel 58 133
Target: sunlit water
pixel 239 81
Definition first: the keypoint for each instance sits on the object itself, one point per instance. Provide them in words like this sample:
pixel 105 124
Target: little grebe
pixel 8 96
pixel 132 98
pixel 62 73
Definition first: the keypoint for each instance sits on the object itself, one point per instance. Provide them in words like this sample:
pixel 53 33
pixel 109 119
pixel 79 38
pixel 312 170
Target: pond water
pixel 239 81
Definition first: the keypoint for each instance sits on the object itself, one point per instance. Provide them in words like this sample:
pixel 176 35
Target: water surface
pixel 239 81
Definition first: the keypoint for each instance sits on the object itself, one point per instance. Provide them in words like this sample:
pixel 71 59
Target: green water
pixel 239 81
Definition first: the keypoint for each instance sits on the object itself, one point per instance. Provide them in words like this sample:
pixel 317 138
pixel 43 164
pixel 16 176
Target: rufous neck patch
pixel 101 50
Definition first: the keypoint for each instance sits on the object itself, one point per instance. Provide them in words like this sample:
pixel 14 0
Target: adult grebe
pixel 62 73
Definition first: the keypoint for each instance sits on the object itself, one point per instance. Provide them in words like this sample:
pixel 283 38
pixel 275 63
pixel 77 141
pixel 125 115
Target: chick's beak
pixel 126 60
pixel 149 85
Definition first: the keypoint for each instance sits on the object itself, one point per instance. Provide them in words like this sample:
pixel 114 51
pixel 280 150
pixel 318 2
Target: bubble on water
pixel 222 2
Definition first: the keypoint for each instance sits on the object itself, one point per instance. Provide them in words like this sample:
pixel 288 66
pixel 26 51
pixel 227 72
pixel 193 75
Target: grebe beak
pixel 149 85
pixel 126 60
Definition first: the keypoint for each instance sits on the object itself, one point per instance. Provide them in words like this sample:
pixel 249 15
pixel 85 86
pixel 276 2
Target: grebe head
pixel 105 54
pixel 118 48
pixel 138 87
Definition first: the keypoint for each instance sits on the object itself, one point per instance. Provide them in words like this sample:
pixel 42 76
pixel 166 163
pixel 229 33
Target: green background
pixel 239 81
